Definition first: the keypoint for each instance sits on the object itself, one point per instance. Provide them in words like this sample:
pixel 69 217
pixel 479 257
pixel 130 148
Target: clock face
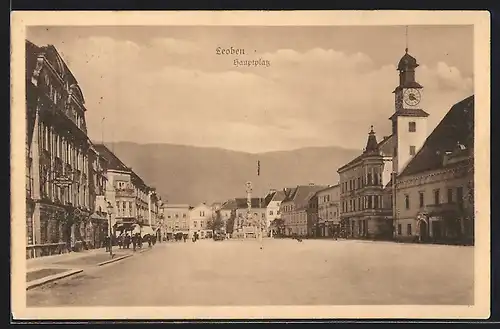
pixel 411 96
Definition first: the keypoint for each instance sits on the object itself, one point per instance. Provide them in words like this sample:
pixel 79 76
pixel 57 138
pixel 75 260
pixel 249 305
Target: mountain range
pixel 190 174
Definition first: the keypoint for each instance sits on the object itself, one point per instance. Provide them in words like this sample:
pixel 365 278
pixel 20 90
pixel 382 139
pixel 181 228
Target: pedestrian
pixel 127 240
pixel 134 241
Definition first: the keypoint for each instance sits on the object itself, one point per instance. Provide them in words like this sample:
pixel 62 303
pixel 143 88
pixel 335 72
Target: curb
pixel 113 260
pixel 144 250
pixel 51 278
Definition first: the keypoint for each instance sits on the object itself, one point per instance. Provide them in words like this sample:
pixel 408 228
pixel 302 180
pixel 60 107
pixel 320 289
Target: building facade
pixel 177 219
pixel 57 155
pixel 364 208
pixel 98 225
pixel 435 192
pixel 273 200
pixel 328 211
pixel 199 217
pixel 133 202
pixel 299 210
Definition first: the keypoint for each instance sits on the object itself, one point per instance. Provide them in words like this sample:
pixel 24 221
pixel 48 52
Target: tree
pixel 230 223
pixel 279 223
pixel 215 223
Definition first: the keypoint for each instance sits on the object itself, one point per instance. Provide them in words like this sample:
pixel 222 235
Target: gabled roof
pixel 278 196
pixel 303 193
pixel 457 126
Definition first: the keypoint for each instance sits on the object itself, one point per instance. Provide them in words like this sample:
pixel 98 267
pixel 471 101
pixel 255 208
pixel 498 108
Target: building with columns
pixel 58 198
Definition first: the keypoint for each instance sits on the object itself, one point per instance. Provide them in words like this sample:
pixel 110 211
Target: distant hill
pixel 189 174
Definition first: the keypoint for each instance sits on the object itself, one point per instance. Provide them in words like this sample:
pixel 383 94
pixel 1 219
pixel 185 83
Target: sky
pixel 323 86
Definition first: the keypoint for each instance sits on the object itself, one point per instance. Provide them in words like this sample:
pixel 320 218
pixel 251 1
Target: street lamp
pixel 110 209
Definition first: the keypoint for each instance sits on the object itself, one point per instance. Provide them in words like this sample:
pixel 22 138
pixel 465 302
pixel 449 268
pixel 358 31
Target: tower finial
pixel 406 39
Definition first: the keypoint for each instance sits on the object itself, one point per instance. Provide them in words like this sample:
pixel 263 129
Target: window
pixel 412 126
pixel 408 229
pixel 183 215
pixel 421 198
pixel 369 202
pixel 450 195
pixel 369 179
pixel 436 196
pixel 270 212
pixel 407 201
pixel 412 150
pixel 375 201
pixel 460 197
pixel 195 223
pixel 399 229
pixel 176 215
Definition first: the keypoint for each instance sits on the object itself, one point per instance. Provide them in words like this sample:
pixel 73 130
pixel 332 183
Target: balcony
pixel 125 192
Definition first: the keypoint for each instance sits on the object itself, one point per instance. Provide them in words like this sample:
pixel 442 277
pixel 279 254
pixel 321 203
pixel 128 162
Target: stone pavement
pixel 284 272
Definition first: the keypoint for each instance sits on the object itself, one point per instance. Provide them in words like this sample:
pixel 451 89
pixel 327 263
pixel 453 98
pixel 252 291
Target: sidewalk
pixel 50 268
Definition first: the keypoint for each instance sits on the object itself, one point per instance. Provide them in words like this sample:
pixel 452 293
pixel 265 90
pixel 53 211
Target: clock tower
pixel 409 121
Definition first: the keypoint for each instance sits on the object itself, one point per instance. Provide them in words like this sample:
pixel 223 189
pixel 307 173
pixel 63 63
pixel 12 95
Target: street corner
pixel 40 276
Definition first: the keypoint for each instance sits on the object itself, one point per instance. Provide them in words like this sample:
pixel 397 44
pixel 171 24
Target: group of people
pixel 125 239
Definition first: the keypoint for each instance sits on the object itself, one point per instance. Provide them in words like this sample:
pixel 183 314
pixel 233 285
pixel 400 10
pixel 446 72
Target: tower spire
pixel 406 38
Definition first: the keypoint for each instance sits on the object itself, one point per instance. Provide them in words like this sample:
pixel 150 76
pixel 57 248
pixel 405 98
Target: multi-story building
pixel 367 192
pixel 133 201
pixel 57 182
pixel 299 210
pixel 329 211
pixel 199 218
pixel 99 219
pixel 435 191
pixel 364 209
pixel 177 219
pixel 273 201
pixel 228 213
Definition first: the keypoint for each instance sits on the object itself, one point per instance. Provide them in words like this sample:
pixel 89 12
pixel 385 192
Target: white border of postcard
pixel 481 22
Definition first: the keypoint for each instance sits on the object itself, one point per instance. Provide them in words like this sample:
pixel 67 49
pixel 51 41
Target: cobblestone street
pixel 284 272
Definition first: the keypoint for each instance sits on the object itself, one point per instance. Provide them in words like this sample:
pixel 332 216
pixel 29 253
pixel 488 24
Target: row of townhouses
pixel 408 186
pixel 232 215
pixel 77 192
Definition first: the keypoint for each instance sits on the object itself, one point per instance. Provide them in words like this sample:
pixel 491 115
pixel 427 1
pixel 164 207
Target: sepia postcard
pixel 250 165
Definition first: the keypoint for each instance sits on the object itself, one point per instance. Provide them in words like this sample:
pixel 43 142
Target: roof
pixel 380 146
pixel 330 187
pixel 229 205
pixel 114 161
pixel 407 62
pixel 409 113
pixel 256 203
pixel 278 196
pixel 171 205
pixel 303 193
pixel 457 126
